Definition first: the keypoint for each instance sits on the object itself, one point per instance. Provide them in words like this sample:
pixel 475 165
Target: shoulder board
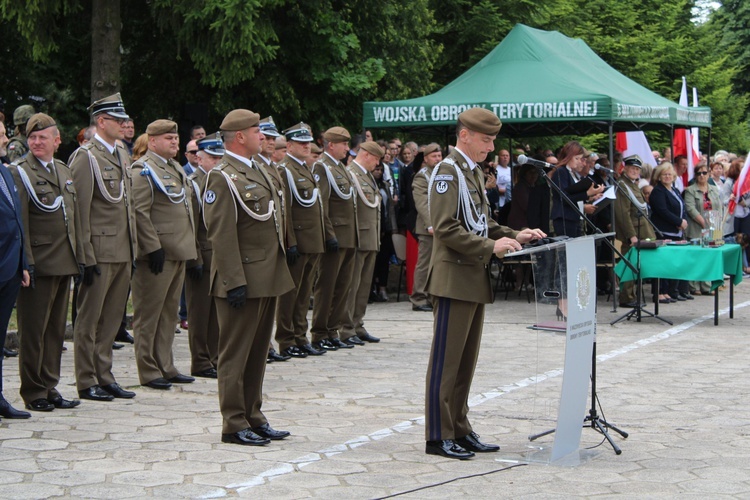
pixel 137 164
pixel 88 146
pixel 59 163
pixel 192 176
pixel 448 161
pixel 422 170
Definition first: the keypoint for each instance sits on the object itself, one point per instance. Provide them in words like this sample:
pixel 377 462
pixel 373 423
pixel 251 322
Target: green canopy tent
pixel 540 83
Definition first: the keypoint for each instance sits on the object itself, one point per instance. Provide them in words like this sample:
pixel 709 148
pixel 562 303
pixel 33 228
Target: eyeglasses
pixel 192 152
pixel 119 121
pixel 701 173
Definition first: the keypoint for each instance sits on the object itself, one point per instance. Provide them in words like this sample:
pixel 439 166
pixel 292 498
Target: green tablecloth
pixel 686 262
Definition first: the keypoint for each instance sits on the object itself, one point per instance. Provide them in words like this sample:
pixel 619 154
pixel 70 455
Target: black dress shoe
pixel 118 392
pixel 471 442
pixel 159 383
pixel 368 338
pixel 7 411
pixel 124 336
pixel 117 346
pixel 423 308
pixel 680 298
pixel 687 296
pixel 245 437
pixel 447 448
pixel 64 404
pixel 182 379
pixel 353 340
pixel 40 405
pixel 309 349
pixel 95 393
pixel 340 345
pixel 324 345
pixel 267 431
pixel 275 356
pixel 8 353
pixel 207 373
pixel 294 352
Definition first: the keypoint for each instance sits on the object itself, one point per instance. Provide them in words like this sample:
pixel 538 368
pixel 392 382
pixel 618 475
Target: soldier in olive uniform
pixel 203 334
pixel 368 233
pixel 423 227
pixel 248 272
pixel 53 250
pixel 340 203
pixel 267 150
pixel 630 226
pixel 101 172
pixel 17 147
pixel 459 281
pixel 310 235
pixel 166 239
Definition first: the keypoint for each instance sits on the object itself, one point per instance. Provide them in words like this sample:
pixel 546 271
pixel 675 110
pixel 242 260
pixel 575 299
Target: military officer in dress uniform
pixel 423 227
pixel 101 174
pixel 339 202
pixel 53 250
pixel 459 281
pixel 17 147
pixel 166 239
pixel 203 334
pixel 248 272
pixel 631 227
pixel 368 233
pixel 310 236
pixel 267 150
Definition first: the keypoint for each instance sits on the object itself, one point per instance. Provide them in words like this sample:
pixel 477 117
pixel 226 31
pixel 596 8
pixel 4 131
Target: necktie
pixel 6 191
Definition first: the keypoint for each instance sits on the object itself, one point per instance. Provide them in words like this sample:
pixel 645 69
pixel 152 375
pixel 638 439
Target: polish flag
pixel 634 143
pixel 683 141
pixel 741 187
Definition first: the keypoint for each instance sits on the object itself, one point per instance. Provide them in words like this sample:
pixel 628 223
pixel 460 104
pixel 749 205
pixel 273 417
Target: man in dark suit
pixel 13 268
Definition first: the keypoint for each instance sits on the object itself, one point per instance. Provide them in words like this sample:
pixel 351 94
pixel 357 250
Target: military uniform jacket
pixel 50 220
pixel 247 250
pixel 280 185
pixel 163 220
pixel 626 213
pixel 368 208
pixel 459 268
pixel 419 194
pixel 198 181
pixel 103 185
pixel 339 200
pixel 307 217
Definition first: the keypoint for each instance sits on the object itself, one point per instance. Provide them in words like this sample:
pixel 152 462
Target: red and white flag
pixel 741 187
pixel 634 143
pixel 683 141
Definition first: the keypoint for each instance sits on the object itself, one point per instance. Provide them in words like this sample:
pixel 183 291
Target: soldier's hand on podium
pixel 332 245
pixel 504 245
pixel 156 260
pixel 237 296
pixel 88 274
pixel 292 255
pixel 528 235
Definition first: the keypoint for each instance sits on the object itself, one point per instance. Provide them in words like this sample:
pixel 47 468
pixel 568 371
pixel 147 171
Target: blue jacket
pixel 12 257
pixel 666 211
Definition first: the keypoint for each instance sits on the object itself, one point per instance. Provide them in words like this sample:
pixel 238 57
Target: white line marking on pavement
pixel 298 463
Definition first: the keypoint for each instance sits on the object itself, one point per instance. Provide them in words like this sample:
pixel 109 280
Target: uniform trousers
pixel 359 293
pixel 419 297
pixel 627 288
pixel 203 333
pixel 8 295
pixel 244 335
pixel 42 317
pixel 457 335
pixel 291 313
pixel 155 301
pixel 99 312
pixel 331 292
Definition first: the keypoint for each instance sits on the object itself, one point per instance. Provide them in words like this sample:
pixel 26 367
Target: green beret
pixel 373 148
pixel 337 134
pixel 481 120
pixel 633 161
pixel 239 119
pixel 431 148
pixel 161 127
pixel 38 122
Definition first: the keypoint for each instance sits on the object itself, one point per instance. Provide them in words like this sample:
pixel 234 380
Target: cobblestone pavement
pixel 356 418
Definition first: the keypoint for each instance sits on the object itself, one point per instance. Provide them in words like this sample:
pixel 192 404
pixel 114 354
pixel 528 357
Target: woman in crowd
pixel 716 174
pixel 387 228
pixel 570 175
pixel 140 147
pixel 705 211
pixel 669 215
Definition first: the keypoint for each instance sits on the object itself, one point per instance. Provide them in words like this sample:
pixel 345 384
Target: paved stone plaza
pixel 357 429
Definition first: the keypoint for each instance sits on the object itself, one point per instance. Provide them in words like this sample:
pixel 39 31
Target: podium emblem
pixel 583 288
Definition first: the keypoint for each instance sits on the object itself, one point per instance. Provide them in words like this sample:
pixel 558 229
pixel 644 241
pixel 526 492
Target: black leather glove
pixel 78 278
pixel 292 255
pixel 88 274
pixel 156 260
pixel 32 277
pixel 237 296
pixel 195 273
pixel 332 245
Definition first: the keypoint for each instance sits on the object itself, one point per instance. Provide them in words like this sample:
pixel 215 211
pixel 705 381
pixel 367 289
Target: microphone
pixel 522 159
pixel 604 169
